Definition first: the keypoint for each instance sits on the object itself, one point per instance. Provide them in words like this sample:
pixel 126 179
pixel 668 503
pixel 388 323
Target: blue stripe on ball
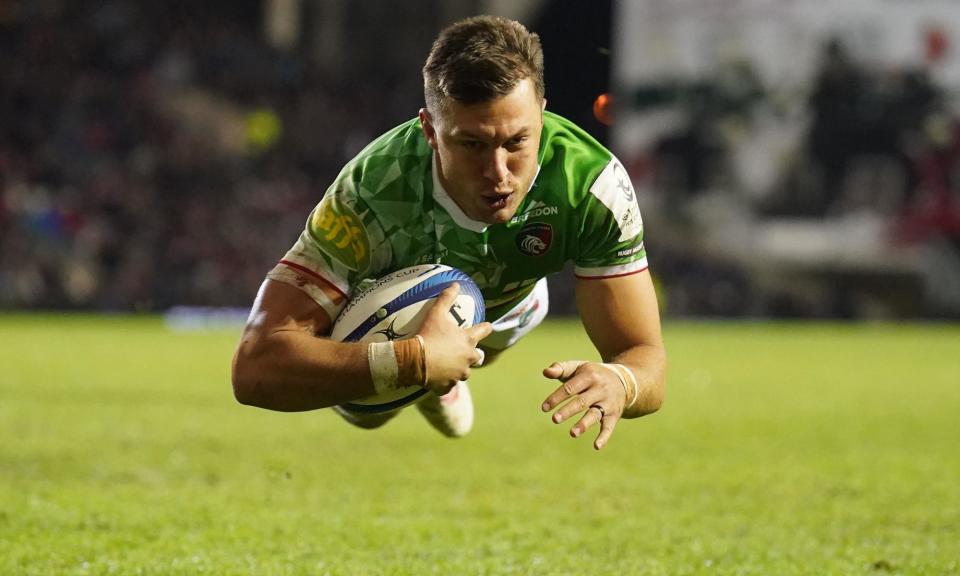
pixel 427 289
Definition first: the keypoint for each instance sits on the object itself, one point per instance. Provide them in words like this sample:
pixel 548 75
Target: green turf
pixel 782 449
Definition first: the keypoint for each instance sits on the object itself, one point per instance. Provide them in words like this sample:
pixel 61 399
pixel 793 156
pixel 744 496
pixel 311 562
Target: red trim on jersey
pixel 611 276
pixel 296 266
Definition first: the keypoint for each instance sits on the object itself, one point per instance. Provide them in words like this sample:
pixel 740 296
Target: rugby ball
pixel 394 307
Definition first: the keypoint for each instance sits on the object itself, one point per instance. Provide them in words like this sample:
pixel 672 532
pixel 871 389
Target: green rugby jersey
pixel 387 210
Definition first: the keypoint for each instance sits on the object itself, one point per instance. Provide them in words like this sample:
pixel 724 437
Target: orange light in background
pixel 603 109
pixel 936 44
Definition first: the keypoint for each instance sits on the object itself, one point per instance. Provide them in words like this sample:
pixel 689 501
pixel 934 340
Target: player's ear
pixel 429 131
pixel 543 104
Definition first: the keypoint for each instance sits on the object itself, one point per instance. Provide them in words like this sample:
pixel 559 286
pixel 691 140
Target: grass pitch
pixel 782 449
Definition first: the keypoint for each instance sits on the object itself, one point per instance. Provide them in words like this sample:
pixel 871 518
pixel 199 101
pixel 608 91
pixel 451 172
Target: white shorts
pixel 521 319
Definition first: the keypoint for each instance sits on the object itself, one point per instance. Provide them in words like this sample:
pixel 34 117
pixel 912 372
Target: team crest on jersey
pixel 535 238
pixel 339 232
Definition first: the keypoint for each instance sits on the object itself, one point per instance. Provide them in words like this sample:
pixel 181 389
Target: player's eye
pixel 472 144
pixel 516 143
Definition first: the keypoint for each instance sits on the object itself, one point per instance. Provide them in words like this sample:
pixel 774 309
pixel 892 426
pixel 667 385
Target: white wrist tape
pixel 383 366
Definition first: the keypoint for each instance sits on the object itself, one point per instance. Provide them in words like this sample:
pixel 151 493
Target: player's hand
pixel 589 388
pixel 449 349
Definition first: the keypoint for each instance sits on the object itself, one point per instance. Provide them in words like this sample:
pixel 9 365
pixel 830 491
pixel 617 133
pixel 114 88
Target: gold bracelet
pixel 423 359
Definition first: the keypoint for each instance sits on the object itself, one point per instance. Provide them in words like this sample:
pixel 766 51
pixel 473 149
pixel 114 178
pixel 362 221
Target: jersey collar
pixel 444 199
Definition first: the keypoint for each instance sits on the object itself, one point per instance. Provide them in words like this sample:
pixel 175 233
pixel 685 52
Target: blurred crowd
pixel 163 154
pixel 152 154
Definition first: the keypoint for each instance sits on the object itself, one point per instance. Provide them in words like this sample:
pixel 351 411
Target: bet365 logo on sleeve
pixel 340 234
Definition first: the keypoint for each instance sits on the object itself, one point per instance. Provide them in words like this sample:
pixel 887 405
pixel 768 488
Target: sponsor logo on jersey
pixel 614 189
pixel 535 238
pixel 534 210
pixel 339 232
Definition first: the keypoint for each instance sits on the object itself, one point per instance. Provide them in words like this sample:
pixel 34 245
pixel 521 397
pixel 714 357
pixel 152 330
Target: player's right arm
pixel 285 361
pixel 281 363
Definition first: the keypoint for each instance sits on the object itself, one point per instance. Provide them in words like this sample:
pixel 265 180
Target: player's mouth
pixel 498 201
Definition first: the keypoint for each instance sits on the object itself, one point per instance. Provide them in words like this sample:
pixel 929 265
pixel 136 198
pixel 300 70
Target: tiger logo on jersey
pixel 535 238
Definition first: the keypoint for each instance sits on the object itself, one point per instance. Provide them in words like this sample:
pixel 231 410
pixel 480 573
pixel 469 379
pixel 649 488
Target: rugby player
pixel 486 180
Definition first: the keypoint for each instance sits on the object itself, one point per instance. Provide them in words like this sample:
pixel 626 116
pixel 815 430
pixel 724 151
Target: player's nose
pixel 495 165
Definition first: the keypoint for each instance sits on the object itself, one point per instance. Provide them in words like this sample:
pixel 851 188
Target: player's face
pixel 487 152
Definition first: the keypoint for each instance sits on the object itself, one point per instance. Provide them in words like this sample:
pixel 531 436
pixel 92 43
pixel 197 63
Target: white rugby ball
pixel 393 308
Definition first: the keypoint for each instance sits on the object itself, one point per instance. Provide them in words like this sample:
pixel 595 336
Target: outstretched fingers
pixel 564 372
pixel 593 414
pixel 607 424
pixel 584 391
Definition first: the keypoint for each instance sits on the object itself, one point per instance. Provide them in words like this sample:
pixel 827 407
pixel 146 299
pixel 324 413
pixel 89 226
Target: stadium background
pixel 154 155
pixel 161 155
pixel 794 160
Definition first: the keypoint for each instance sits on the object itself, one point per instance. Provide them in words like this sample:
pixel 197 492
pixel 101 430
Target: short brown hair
pixel 480 59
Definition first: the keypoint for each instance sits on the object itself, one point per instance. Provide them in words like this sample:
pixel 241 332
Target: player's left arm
pixel 621 316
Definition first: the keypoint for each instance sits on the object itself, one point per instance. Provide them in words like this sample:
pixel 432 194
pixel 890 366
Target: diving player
pixel 486 180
